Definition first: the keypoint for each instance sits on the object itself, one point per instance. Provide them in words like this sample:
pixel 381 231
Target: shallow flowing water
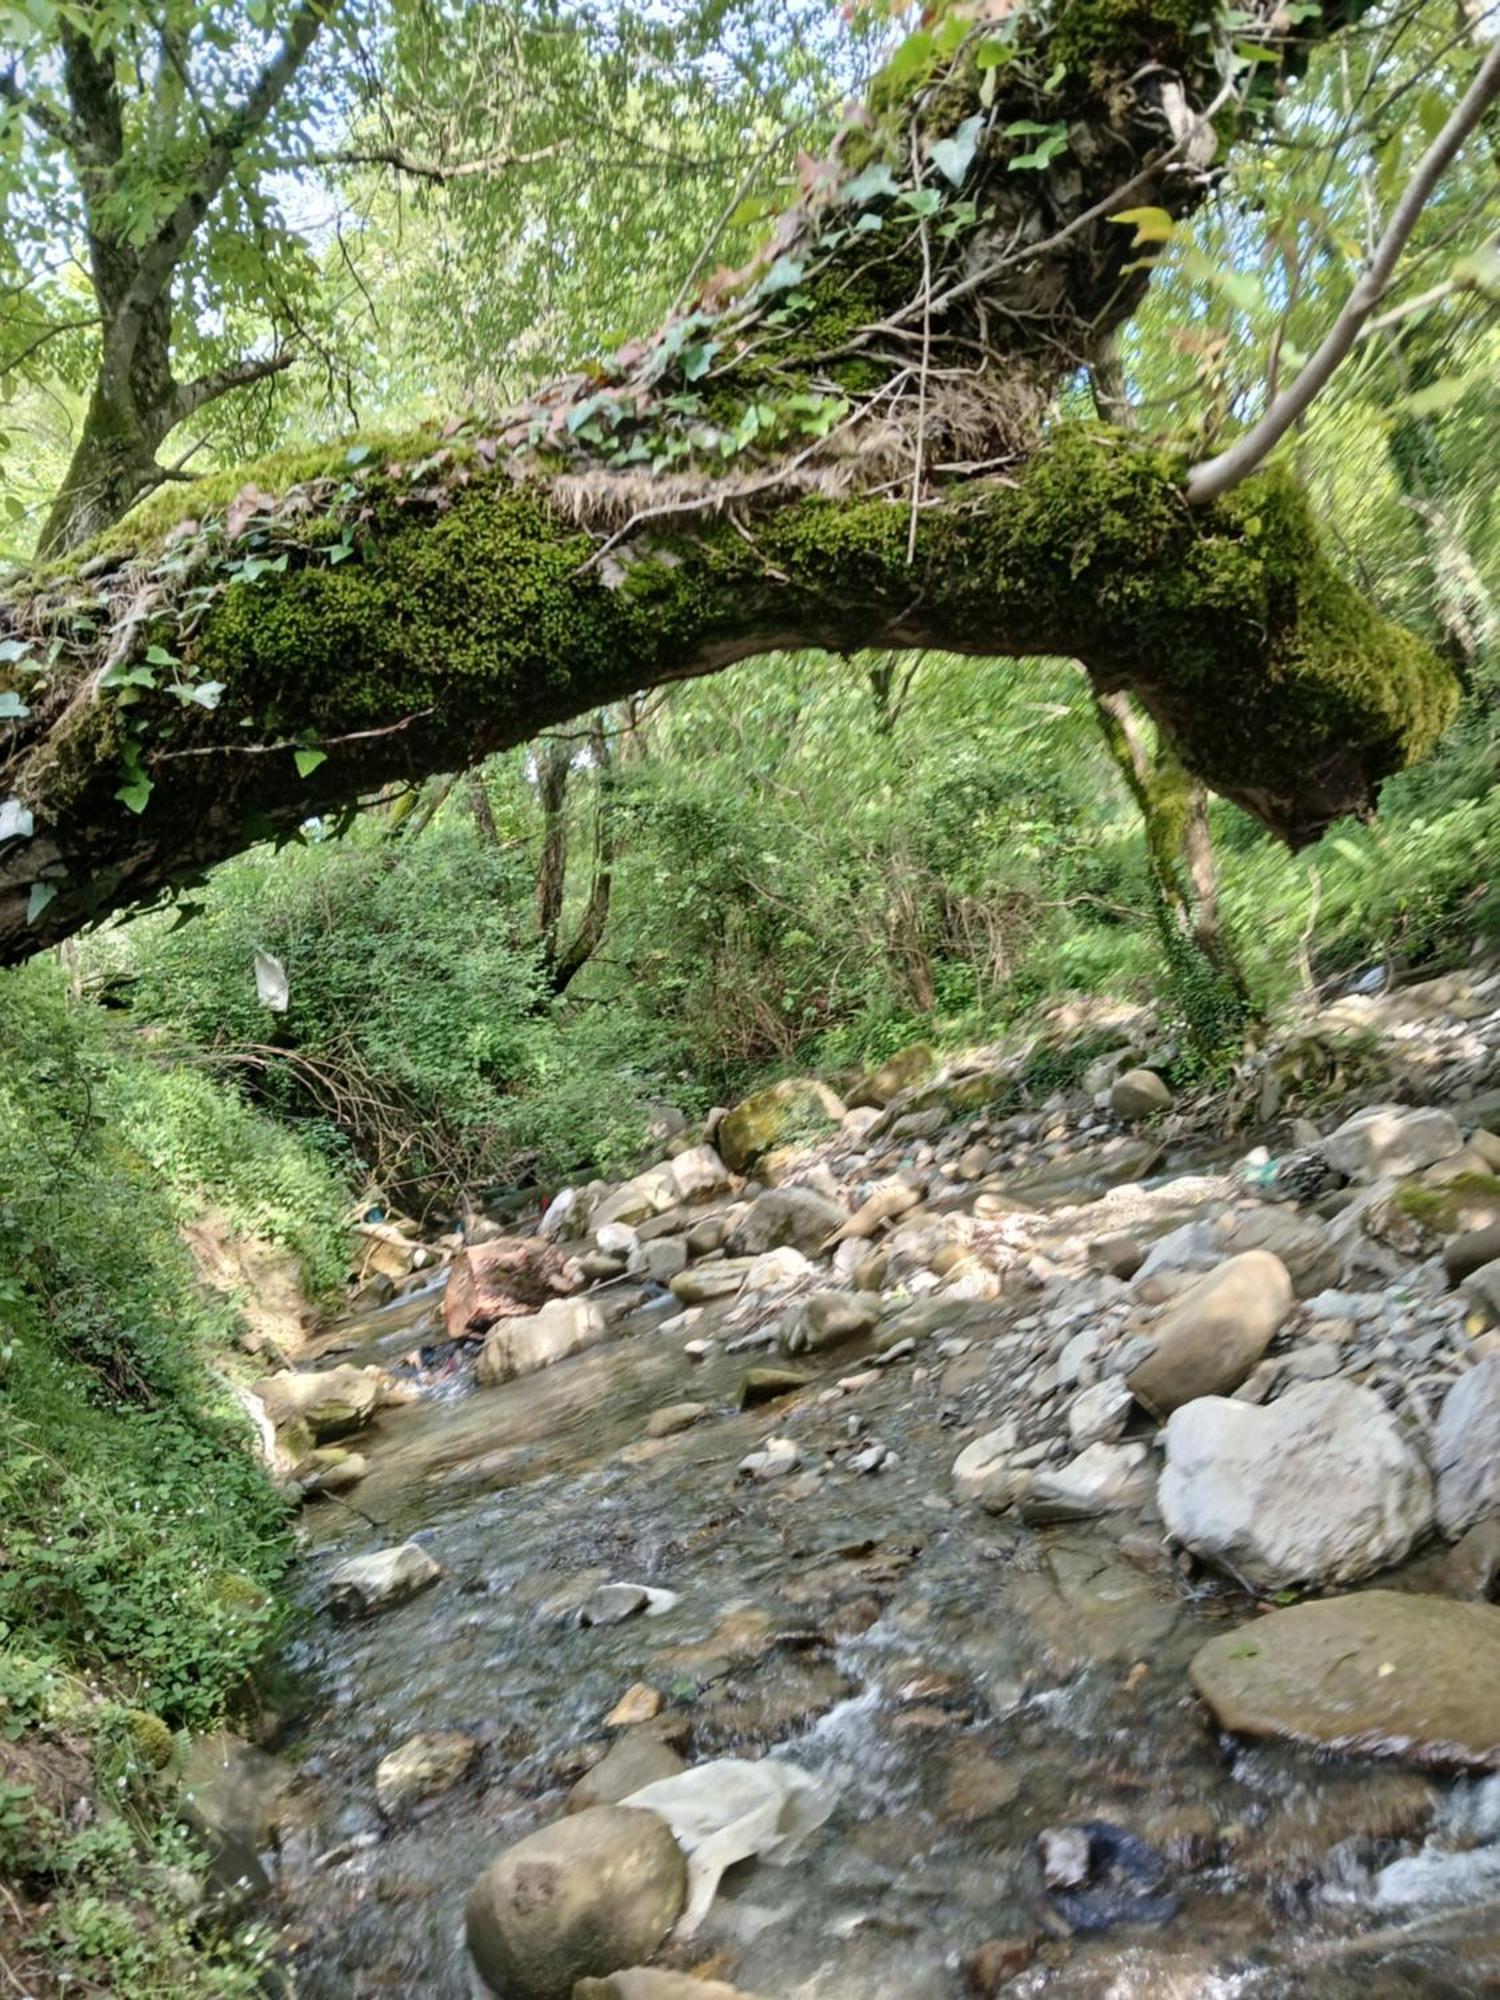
pixel 961 1682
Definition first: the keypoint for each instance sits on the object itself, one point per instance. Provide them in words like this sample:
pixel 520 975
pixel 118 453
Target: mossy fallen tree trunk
pixel 850 443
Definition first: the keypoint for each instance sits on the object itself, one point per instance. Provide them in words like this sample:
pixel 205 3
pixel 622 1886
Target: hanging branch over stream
pixel 846 444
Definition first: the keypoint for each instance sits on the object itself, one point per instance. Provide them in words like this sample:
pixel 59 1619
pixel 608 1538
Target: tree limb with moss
pixel 851 442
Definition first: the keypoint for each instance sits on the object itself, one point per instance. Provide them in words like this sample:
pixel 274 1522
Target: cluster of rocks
pixel 1287 1369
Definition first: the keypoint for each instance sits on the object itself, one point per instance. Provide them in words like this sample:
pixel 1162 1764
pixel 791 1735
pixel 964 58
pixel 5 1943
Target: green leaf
pixel 783 274
pixel 357 454
pixel 876 181
pixel 911 59
pixel 160 657
pixel 307 761
pixel 42 893
pixel 1055 80
pixel 696 361
pixel 754 208
pixel 992 53
pixel 953 157
pixel 12 708
pixel 135 793
pixel 1053 140
pixel 12 650
pixel 922 201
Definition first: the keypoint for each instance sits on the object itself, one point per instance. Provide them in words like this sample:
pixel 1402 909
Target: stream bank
pixel 932 1570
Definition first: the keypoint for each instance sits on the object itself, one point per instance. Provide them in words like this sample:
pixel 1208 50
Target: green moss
pixel 1440 1209
pixel 1117 35
pixel 151 1737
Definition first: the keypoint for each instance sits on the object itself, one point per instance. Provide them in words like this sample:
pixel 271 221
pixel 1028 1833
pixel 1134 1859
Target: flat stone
pixel 1378 1672
pixel 1466 1449
pixel 675 1417
pixel 636 1760
pixel 423 1765
pixel 1465 1254
pixel 983 1470
pixel 1100 1414
pixel 766 1385
pixel 1099 1481
pixel 1386 1139
pixel 613 1603
pixel 702 1282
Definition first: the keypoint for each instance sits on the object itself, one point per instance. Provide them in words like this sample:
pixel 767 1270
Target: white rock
pixel 778 1270
pixel 515 1347
pixel 1466 1448
pixel 384 1578
pixel 1391 1139
pixel 618 1238
pixel 1318 1487
pixel 1104 1477
pixel 1100 1414
pixel 776 1458
pixel 698 1171
pixel 982 1470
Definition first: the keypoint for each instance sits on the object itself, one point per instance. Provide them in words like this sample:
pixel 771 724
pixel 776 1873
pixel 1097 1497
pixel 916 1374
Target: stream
pixel 960 1681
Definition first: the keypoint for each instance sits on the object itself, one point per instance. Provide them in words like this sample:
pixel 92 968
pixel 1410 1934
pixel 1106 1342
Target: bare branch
pixel 441 171
pixel 207 388
pixel 1214 477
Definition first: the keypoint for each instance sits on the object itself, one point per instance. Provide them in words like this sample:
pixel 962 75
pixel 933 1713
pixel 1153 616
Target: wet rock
pixel 794 1216
pixel 675 1417
pixel 586 1896
pixel 423 1765
pixel 517 1347
pixel 1466 1449
pixel 796 1107
pixel 1209 1339
pixel 1139 1093
pixel 381 1580
pixel 1312 1261
pixel 1100 1414
pixel 775 1459
pixel 636 1760
pixel 1388 1139
pixel 330 1470
pixel 230 1793
pixel 639 1703
pixel 978 1786
pixel 828 1319
pixel 767 1385
pixel 1100 1480
pixel 497 1280
pixel 332 1402
pixel 702 1282
pixel 1473 1565
pixel 990 1969
pixel 984 1471
pixel 1098 1875
pixel 1318 1487
pixel 1465 1254
pixel 613 1603
pixel 1378 1671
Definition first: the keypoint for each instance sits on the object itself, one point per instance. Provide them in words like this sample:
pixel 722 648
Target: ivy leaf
pixel 205 693
pixel 42 893
pixel 307 761
pixel 876 181
pixel 922 201
pixel 16 822
pixel 911 59
pixel 160 657
pixel 135 792
pixel 357 454
pixel 13 652
pixel 783 274
pixel 696 361
pixel 954 157
pixel 992 53
pixel 1053 140
pixel 12 708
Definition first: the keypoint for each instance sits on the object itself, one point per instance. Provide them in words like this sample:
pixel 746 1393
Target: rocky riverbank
pixel 991 1476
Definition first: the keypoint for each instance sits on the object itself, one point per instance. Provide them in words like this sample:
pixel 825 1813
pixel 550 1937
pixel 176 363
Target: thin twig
pixel 289 742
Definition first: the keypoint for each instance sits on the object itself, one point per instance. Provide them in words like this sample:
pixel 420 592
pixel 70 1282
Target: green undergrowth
pixel 142 1544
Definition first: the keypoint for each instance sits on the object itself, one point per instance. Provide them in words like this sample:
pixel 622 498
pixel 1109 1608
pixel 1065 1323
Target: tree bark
pixel 849 444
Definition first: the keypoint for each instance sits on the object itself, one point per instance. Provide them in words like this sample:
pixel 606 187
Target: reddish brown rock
pixel 505 1279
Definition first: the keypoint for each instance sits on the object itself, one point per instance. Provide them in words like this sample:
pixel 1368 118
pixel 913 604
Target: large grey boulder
pixel 382 1579
pixel 1466 1449
pixel 1391 1139
pixel 1319 1487
pixel 332 1402
pixel 585 1897
pixel 1208 1340
pixel 786 1215
pixel 515 1347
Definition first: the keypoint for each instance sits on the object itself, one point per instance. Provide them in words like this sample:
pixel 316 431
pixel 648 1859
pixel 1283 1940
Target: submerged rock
pixel 378 1581
pixel 1210 1338
pixel 426 1763
pixel 636 1760
pixel 1378 1671
pixel 1098 1875
pixel 586 1896
pixel 1319 1487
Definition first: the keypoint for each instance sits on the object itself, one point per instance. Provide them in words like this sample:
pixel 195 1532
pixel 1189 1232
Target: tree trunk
pixel 844 446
